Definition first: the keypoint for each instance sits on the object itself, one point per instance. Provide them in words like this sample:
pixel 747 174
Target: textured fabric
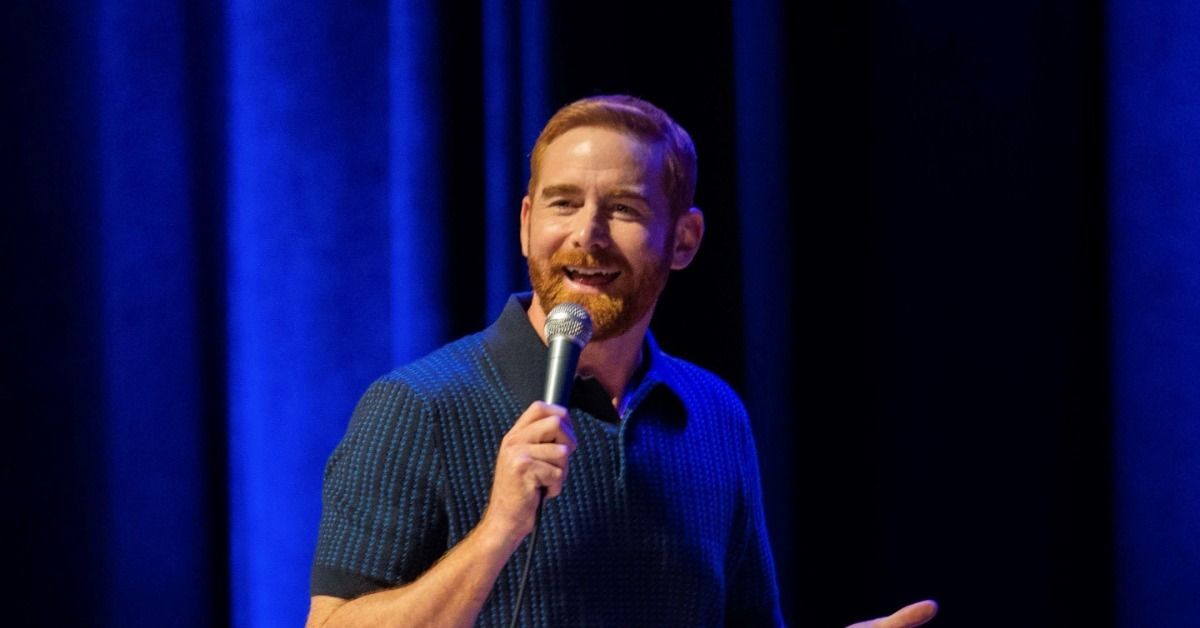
pixel 660 521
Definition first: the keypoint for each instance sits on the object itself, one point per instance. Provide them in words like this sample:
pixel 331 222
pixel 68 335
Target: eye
pixel 621 209
pixel 561 204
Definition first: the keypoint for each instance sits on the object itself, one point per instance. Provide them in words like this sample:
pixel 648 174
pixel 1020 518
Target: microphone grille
pixel 570 321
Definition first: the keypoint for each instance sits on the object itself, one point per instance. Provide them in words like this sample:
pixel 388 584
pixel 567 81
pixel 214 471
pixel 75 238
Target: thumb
pixel 910 616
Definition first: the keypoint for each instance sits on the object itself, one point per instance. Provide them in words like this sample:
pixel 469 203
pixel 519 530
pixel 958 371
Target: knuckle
pixel 519 464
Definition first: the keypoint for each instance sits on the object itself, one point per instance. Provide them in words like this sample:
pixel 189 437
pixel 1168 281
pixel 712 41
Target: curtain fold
pixel 156 537
pixel 1155 273
pixel 313 244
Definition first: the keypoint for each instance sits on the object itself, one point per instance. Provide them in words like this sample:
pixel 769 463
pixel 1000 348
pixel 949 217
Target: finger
pixel 556 454
pixel 911 615
pixel 545 474
pixel 550 429
pixel 530 472
pixel 537 410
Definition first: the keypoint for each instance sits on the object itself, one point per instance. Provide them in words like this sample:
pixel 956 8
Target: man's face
pixel 597 229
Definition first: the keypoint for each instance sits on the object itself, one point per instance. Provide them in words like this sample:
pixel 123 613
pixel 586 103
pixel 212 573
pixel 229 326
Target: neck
pixel 611 361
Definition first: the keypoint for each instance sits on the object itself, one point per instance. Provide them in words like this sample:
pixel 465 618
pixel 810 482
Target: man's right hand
pixel 533 454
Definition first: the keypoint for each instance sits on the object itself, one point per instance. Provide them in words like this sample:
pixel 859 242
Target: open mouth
pixel 587 276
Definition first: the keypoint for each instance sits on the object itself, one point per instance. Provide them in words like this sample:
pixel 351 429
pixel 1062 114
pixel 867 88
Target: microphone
pixel 568 330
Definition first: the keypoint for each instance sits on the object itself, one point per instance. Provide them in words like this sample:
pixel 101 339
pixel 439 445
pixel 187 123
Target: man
pixel 653 513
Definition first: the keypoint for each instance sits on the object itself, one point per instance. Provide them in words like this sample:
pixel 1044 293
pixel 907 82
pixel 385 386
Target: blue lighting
pixel 1154 178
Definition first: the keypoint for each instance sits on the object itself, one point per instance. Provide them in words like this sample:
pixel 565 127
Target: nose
pixel 590 230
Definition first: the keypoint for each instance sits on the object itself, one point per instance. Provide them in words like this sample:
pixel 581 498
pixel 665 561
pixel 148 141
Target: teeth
pixel 591 272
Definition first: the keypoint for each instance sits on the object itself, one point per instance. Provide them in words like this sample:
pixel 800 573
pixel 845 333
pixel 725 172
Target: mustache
pixel 584 259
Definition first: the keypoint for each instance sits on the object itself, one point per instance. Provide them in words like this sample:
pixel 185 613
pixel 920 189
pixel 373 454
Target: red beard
pixel 625 301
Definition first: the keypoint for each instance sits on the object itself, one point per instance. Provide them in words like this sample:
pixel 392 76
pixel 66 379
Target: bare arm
pixel 534 453
pixel 451 593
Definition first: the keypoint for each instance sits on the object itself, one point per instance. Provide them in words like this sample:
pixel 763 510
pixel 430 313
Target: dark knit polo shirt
pixel 660 521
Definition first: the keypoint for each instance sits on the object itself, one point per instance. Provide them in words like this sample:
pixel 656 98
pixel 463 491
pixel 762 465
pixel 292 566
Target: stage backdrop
pixel 952 264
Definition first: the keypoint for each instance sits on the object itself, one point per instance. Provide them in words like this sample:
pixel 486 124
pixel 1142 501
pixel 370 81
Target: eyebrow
pixel 560 190
pixel 566 189
pixel 629 193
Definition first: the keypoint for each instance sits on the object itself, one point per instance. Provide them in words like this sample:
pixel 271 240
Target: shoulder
pixel 406 397
pixel 460 364
pixel 397 417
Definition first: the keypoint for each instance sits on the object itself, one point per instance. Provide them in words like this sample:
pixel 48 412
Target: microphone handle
pixel 560 370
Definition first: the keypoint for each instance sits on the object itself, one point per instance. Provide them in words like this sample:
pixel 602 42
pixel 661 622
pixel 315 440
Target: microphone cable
pixel 533 537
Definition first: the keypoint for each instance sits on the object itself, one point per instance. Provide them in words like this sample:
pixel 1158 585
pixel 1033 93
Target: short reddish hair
pixel 640 119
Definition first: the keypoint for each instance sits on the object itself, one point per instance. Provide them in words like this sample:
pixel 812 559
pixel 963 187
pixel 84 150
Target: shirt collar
pixel 517 350
pixel 520 358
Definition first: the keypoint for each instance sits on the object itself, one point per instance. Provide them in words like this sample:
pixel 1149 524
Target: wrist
pixel 499 535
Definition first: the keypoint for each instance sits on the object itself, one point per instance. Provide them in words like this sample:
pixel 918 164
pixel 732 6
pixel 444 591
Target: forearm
pixel 451 593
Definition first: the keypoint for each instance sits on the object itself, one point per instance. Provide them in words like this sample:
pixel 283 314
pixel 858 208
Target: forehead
pixel 602 155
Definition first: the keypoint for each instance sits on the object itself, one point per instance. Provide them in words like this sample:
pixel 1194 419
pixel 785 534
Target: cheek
pixel 544 237
pixel 649 242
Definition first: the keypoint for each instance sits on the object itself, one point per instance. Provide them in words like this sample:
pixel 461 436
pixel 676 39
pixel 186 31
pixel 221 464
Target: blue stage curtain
pixel 341 238
pixel 155 477
pixel 513 55
pixel 308 320
pixel 1154 182
pixel 224 220
pixel 766 256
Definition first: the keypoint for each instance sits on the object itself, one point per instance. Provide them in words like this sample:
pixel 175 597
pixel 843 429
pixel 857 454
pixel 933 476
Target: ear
pixel 689 230
pixel 526 205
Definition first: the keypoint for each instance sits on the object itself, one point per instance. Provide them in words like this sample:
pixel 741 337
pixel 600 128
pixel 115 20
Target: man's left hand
pixel 907 617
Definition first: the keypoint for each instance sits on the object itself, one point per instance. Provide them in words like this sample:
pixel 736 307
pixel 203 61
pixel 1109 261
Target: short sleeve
pixel 383 520
pixel 753 595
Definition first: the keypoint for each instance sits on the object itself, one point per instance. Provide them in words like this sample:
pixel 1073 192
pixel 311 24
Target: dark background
pixel 950 264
